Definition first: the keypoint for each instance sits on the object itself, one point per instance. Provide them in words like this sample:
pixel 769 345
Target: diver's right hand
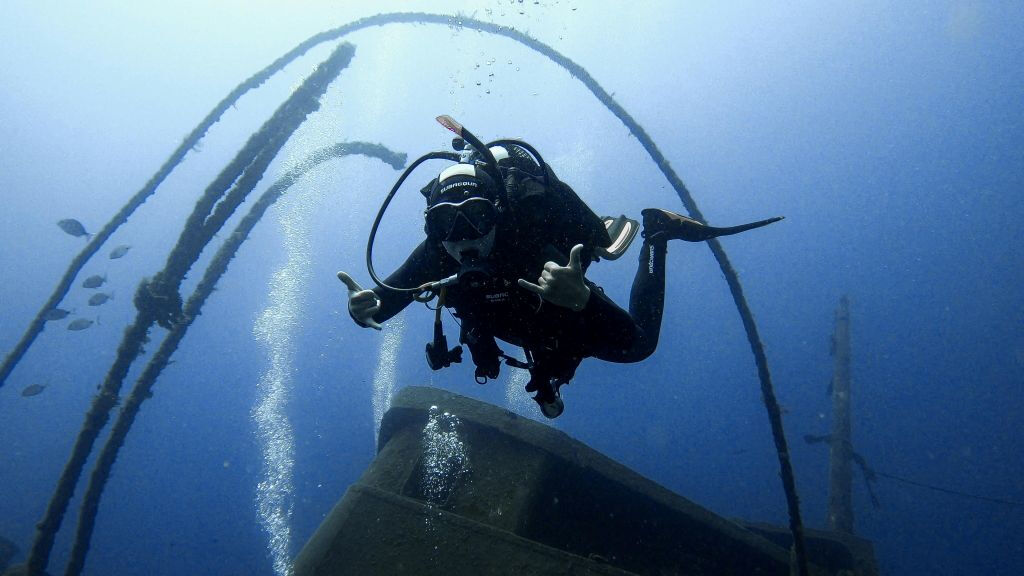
pixel 362 304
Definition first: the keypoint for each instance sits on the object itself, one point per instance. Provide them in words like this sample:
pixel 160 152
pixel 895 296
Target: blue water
pixel 889 135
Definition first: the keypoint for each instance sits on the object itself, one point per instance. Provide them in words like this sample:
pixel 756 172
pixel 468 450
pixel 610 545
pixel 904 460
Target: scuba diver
pixel 507 249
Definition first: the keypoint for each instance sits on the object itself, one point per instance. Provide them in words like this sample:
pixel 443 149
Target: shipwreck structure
pixel 517 497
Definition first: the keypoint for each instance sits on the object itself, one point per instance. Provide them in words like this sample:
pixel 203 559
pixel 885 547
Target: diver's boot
pixel 547 397
pixel 662 225
pixel 551 407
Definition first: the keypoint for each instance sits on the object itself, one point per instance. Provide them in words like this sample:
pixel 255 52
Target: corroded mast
pixel 840 502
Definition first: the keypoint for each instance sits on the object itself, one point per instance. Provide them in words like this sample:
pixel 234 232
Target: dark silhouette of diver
pixel 512 244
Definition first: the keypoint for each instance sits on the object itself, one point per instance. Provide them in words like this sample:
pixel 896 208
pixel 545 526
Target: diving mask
pixel 459 221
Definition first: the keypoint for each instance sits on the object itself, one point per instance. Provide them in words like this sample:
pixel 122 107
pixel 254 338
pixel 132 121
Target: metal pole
pixel 840 502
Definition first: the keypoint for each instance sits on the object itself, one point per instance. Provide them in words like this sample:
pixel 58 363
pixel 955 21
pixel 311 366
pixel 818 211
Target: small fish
pixel 94 281
pixel 33 390
pixel 100 298
pixel 119 251
pixel 80 324
pixel 56 314
pixel 73 227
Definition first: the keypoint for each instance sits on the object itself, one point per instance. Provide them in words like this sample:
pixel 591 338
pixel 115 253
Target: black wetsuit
pixel 556 337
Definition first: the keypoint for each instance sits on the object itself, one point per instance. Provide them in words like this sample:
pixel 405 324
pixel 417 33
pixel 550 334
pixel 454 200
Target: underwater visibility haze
pixel 889 135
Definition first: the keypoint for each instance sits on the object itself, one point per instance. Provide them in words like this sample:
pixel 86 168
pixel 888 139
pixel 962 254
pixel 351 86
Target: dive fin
pixel 622 230
pixel 670 225
pixel 713 232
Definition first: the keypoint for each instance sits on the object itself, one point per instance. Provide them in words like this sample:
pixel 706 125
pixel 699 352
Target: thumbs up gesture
pixel 562 285
pixel 362 304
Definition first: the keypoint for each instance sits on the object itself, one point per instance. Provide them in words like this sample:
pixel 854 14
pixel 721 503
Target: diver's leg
pixel 614 335
pixel 647 297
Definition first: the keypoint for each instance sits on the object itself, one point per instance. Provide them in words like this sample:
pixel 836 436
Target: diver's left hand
pixel 562 285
